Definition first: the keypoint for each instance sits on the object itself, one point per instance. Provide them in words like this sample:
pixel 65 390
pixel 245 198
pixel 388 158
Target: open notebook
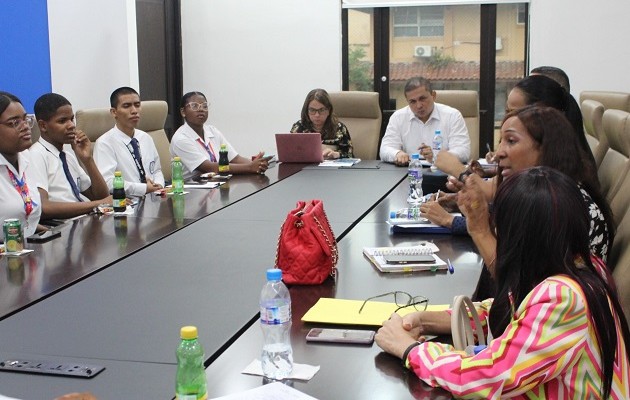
pixel 379 257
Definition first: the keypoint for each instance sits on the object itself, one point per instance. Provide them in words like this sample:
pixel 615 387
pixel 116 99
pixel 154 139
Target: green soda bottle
pixel 190 382
pixel 177 175
pixel 119 197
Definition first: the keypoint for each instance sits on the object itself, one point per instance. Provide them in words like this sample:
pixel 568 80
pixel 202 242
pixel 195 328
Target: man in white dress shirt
pixel 127 149
pixel 411 129
pixel 66 189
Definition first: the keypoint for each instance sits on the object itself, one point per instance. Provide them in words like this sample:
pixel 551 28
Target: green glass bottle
pixel 119 197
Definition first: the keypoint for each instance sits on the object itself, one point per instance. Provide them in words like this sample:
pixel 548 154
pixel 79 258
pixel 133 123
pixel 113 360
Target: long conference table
pixel 115 292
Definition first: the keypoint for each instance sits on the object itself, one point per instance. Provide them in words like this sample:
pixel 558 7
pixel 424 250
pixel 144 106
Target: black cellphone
pixel 409 259
pixel 340 335
pixel 43 237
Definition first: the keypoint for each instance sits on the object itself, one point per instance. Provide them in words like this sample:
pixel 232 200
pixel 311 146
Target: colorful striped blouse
pixel 548 351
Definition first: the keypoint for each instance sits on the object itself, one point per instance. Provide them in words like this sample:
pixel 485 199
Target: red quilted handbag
pixel 307 249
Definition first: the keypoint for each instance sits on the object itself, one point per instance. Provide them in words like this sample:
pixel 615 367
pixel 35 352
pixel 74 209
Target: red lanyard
pixel 22 188
pixel 210 150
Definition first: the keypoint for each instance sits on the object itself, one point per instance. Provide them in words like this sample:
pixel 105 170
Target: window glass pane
pixel 361 49
pixel 405 16
pixel 450 61
pixel 418 21
pixel 510 46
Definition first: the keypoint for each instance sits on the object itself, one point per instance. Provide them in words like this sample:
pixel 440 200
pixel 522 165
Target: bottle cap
pixel 176 158
pixel 438 132
pixel 274 274
pixel 392 214
pixel 415 156
pixel 117 173
pixel 188 332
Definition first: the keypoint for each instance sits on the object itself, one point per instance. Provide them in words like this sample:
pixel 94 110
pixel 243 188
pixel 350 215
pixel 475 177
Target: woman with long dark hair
pixel 318 116
pixel 559 328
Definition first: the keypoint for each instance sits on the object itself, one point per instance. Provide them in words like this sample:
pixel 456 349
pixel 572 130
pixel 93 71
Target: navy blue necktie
pixel 138 159
pixel 66 170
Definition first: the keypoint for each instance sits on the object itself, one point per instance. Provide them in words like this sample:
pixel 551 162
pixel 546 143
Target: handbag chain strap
pixel 332 244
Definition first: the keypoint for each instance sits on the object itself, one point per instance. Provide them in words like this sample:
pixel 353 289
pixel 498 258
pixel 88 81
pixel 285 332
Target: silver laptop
pixel 299 147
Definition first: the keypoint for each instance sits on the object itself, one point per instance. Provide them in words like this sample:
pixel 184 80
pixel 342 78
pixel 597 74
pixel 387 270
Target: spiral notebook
pixel 378 256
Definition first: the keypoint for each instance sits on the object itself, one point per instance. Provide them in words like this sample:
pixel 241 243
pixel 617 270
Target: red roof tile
pixel 454 71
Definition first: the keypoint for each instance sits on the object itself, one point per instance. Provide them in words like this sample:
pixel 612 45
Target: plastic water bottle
pixel 404 216
pixel 275 321
pixel 224 163
pixel 436 146
pixel 415 180
pixel 119 197
pixel 177 175
pixel 190 381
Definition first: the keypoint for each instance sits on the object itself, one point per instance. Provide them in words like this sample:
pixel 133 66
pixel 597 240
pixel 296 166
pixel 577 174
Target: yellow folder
pixel 346 312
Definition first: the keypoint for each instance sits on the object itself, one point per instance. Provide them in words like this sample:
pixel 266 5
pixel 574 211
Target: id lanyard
pixel 22 188
pixel 139 167
pixel 210 150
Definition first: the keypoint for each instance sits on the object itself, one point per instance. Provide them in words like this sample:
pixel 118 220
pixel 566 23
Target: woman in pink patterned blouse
pixel 559 328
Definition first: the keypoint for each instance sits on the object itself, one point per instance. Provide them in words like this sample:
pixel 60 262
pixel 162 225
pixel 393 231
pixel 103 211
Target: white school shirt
pixel 185 146
pixel 52 178
pixel 11 200
pixel 113 152
pixel 406 132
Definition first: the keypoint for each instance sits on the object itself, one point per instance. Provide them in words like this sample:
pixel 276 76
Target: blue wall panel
pixel 25 50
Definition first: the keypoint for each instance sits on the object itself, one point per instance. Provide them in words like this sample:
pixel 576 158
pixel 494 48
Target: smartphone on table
pixel 340 335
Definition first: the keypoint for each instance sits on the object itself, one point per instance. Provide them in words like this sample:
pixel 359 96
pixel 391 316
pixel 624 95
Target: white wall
pixel 93 49
pixel 256 61
pixel 588 39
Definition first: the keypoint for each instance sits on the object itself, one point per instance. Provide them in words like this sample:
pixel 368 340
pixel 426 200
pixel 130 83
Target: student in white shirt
pixel 412 128
pixel 66 190
pixel 114 150
pixel 198 144
pixel 19 197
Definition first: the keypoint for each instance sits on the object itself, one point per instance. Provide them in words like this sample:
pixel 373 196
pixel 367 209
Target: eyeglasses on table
pixel 402 300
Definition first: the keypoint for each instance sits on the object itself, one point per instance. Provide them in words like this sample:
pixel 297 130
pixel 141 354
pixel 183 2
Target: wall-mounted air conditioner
pixel 499 44
pixel 422 51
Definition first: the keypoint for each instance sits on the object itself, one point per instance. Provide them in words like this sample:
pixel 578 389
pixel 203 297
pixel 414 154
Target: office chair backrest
pixel 94 122
pixel 152 118
pixel 592 114
pixel 361 113
pixel 615 100
pixel 35 133
pixel 467 102
pixel 615 164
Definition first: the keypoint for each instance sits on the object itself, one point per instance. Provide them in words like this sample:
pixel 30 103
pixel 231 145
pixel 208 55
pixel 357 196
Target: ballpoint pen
pixel 451 269
pixel 437 196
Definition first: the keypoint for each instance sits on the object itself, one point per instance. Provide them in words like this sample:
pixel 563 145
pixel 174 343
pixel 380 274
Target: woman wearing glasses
pixel 559 328
pixel 198 144
pixel 317 116
pixel 18 190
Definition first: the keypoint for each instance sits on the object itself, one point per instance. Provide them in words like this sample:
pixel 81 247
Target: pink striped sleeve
pixel 543 341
